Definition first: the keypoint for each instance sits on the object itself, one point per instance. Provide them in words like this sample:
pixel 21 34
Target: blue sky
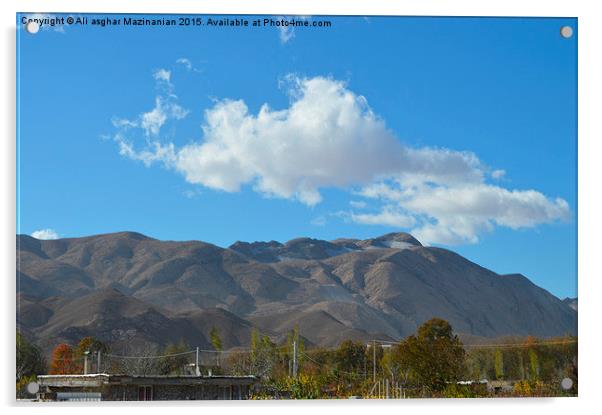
pixel 461 131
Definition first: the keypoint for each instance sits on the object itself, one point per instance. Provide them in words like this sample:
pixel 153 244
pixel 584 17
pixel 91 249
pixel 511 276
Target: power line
pixel 150 357
pixel 485 345
pixel 280 350
pixel 543 343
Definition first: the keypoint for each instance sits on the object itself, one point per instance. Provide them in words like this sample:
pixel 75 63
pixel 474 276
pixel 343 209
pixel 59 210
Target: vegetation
pixel 30 362
pixel 433 362
pixel 63 360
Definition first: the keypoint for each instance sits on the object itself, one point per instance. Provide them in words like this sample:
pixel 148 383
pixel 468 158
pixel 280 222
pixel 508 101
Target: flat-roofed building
pixel 109 387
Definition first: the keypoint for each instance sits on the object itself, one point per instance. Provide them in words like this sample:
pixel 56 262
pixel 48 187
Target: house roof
pixel 103 379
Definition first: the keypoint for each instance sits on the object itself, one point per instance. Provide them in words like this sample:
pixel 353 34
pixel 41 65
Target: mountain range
pixel 128 289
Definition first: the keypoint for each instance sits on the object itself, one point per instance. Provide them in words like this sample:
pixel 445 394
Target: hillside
pixel 126 287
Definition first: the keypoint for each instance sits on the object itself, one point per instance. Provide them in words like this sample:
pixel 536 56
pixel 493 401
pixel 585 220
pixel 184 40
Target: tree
pixel 533 365
pixel 93 347
pixel 294 338
pixel 216 342
pixel 351 356
pixel 175 360
pixel 30 361
pixel 142 361
pixel 263 354
pixel 63 360
pixel 498 363
pixel 434 356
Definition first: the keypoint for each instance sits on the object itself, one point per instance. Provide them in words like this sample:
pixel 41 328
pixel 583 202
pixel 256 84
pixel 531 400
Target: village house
pixel 108 387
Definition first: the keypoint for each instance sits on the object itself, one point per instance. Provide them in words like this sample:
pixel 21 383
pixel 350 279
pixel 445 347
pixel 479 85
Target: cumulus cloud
pixel 459 213
pixel 45 234
pixel 329 137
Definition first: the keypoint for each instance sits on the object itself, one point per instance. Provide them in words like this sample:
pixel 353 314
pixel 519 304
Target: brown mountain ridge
pixel 126 288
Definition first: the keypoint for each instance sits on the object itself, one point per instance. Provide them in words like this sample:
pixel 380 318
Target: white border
pixel 589 209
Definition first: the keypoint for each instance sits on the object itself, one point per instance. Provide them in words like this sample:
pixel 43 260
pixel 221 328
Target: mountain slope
pixel 382 287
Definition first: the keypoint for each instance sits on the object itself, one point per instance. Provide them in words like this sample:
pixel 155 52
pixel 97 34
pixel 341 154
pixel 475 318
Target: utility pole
pixel 196 365
pixel 98 362
pixel 294 358
pixel 387 389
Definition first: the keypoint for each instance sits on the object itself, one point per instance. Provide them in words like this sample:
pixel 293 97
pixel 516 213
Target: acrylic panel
pixel 295 207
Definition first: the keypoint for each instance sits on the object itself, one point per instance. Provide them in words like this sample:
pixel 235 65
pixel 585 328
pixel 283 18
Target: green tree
pixel 498 363
pixel 263 354
pixel 533 365
pixel 216 342
pixel 30 361
pixel 434 356
pixel 175 360
pixel 294 337
pixel 350 356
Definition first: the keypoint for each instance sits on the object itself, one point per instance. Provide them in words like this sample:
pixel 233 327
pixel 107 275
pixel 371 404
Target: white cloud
pixel 166 108
pixel 162 75
pixel 389 216
pixel 152 121
pixel 498 174
pixel 187 63
pixel 45 234
pixel 329 137
pixel 286 33
pixel 358 204
pixel 459 213
pixel 123 123
pixel 156 152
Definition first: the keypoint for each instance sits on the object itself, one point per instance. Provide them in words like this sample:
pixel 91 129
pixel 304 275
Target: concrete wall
pixel 162 392
pixel 176 392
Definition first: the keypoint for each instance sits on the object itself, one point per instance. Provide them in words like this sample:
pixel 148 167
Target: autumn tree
pixel 63 360
pixel 93 347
